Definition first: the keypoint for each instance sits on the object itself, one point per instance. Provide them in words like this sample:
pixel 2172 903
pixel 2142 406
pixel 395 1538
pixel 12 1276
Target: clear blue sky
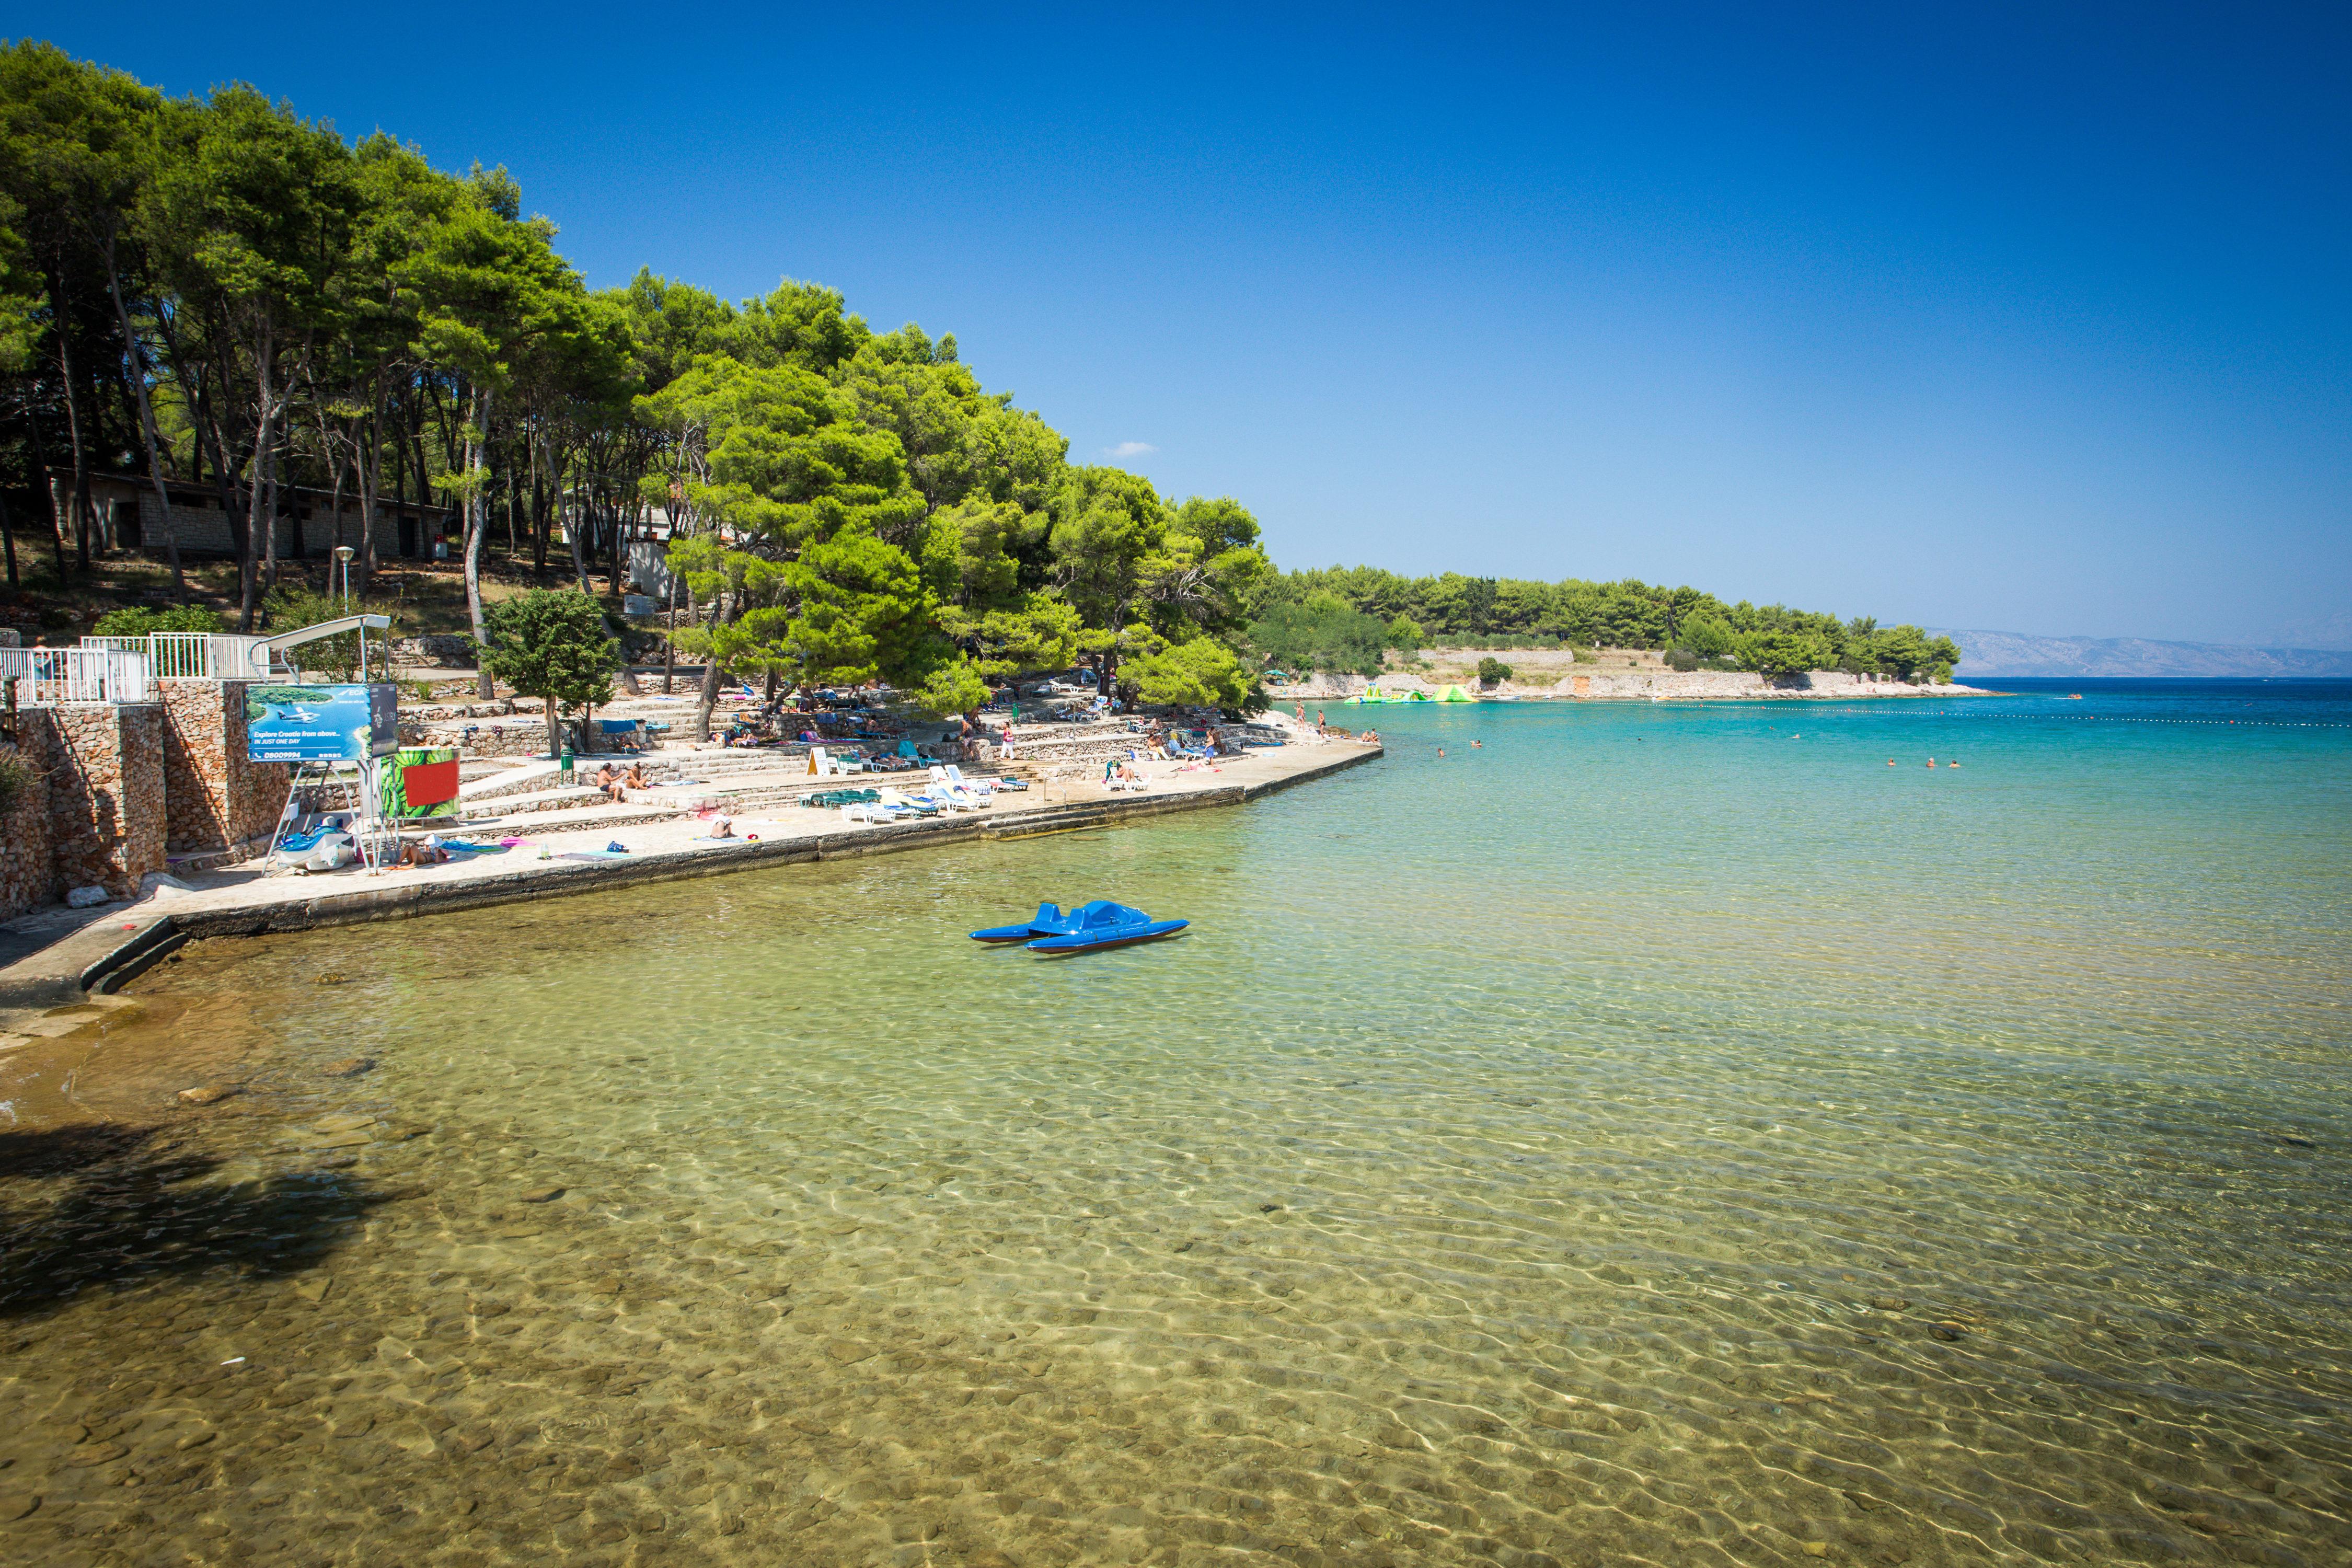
pixel 2020 320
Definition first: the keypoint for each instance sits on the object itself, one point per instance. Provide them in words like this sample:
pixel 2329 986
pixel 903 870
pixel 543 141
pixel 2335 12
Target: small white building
pixel 308 524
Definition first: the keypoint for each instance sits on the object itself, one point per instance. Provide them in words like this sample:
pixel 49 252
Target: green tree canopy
pixel 551 643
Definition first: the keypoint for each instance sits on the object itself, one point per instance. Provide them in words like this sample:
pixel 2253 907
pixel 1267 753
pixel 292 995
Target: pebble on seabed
pixel 207 1093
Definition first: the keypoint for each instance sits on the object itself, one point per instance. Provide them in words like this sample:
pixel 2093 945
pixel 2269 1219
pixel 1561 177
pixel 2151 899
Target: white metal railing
pixel 46 677
pixel 190 656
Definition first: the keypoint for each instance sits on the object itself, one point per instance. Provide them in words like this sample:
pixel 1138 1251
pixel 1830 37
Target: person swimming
pixel 1477 745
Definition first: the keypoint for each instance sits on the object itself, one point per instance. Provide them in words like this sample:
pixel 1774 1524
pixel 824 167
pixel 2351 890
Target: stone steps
pixel 527 803
pixel 568 819
pixel 521 779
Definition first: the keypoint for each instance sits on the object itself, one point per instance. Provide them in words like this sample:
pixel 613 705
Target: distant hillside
pixel 1986 654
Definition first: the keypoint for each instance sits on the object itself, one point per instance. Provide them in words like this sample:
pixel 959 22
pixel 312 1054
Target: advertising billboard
pixel 321 723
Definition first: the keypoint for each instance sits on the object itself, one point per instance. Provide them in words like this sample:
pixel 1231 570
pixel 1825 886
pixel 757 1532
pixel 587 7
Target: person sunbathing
pixel 635 777
pixel 608 779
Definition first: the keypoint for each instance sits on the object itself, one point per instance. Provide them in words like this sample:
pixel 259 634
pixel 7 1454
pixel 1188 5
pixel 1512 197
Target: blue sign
pixel 321 723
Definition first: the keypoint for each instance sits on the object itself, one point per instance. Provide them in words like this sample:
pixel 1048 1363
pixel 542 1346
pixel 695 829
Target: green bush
pixel 1199 673
pixel 1320 634
pixel 291 609
pixel 1492 669
pixel 140 621
pixel 14 778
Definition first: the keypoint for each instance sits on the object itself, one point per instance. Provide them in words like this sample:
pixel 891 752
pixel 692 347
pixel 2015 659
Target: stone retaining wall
pixel 212 797
pixel 28 876
pixel 106 795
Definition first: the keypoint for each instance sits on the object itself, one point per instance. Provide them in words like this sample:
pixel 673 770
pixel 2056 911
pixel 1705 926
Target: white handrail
pixel 47 677
pixel 192 656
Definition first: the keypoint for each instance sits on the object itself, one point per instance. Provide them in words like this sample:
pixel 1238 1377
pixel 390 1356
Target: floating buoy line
pixel 2150 718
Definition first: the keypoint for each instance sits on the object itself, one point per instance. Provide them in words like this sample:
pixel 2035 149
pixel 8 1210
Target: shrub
pixel 141 621
pixel 14 778
pixel 1200 672
pixel 291 609
pixel 550 643
pixel 1682 660
pixel 1492 669
pixel 953 687
pixel 1776 655
pixel 1320 634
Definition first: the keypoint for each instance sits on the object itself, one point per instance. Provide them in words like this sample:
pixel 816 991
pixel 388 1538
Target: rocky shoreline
pixel 1550 677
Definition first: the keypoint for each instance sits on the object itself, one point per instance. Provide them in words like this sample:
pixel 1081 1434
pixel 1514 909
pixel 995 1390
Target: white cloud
pixel 1130 450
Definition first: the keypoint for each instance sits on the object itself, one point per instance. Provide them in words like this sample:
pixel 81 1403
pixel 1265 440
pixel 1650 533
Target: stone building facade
pixel 308 524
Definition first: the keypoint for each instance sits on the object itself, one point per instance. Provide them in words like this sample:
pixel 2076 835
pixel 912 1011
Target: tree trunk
pixel 8 541
pixel 335 500
pixel 709 678
pixel 575 525
pixel 669 641
pixel 57 524
pixel 514 506
pixel 59 320
pixel 370 467
pixel 538 516
pixel 555 732
pixel 265 377
pixel 476 524
pixel 146 429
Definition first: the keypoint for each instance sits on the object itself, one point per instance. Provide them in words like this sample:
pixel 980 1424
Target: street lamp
pixel 343 553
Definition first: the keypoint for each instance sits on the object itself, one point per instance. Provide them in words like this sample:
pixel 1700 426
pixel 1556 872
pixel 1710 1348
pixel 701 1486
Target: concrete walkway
pixel 75 959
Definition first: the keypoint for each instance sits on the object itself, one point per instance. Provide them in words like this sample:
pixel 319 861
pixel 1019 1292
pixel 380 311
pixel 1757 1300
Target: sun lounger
pixel 948 789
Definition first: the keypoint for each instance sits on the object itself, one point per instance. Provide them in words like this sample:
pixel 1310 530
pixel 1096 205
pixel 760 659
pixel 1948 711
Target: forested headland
pixel 216 291
pixel 1348 618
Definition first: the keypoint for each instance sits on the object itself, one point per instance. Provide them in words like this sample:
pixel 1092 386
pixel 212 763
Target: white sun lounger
pixel 947 789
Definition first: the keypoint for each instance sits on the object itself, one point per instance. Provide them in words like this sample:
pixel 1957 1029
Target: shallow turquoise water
pixel 1655 1134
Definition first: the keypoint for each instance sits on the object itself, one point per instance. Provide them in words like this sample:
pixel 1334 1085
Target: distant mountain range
pixel 1993 654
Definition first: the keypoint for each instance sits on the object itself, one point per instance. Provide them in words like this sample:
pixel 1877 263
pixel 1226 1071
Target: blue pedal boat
pixel 1103 924
pixel 1050 921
